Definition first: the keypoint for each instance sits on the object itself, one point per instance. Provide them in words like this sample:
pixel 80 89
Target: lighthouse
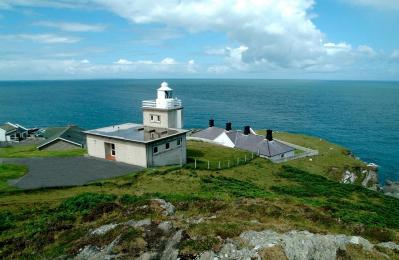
pixel 165 111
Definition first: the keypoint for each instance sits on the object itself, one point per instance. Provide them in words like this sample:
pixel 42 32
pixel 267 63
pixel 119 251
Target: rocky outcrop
pixel 369 177
pixel 348 177
pixel 90 252
pixel 298 245
pixel 162 240
pixel 391 188
pixel 167 208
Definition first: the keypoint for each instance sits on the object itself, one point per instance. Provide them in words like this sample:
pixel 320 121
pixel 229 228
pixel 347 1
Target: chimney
pixel 246 130
pixel 269 135
pixel 228 126
pixel 211 123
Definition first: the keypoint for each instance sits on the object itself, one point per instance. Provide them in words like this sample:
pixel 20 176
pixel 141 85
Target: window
pixel 155 118
pixel 155 149
pixel 179 142
pixel 113 149
pixel 167 146
pixel 282 156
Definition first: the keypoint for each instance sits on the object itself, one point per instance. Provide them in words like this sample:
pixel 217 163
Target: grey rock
pixel 103 229
pixel 92 252
pixel 389 245
pixel 168 207
pixel 348 177
pixel 171 251
pixel 139 223
pixel 147 256
pixel 391 188
pixel 165 226
pixel 298 245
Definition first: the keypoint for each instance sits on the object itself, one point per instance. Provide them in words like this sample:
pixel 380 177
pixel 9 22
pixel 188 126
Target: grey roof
pixel 209 133
pixel 253 143
pixel 273 148
pixel 248 142
pixel 72 134
pixel 258 144
pixel 136 132
pixel 8 127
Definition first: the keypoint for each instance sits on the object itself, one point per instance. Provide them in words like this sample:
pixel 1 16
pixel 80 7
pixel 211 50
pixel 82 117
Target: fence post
pixel 238 160
pixel 195 163
pixel 208 164
pixel 245 158
pixel 219 164
pixel 252 155
pixel 228 164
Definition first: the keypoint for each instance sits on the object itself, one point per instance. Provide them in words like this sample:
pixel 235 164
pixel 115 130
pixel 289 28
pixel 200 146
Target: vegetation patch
pixel 233 187
pixel 25 151
pixel 202 155
pixel 9 172
pixel 349 203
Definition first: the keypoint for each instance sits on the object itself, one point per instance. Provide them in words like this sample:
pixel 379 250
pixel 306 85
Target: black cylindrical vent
pixel 211 123
pixel 228 126
pixel 246 130
pixel 269 135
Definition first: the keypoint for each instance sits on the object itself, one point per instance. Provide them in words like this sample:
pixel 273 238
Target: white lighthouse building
pixel 159 140
pixel 165 111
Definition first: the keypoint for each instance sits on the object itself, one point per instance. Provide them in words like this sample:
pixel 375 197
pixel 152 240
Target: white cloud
pixel 364 49
pixel 168 61
pixel 280 32
pixel 72 27
pixel 41 38
pixel 380 4
pixel 191 66
pixel 10 4
pixel 332 48
pixel 85 61
pixel 395 54
pixel 123 62
pixel 263 35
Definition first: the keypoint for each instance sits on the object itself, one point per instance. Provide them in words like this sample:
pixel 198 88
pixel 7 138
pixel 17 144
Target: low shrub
pixel 84 202
pixel 233 187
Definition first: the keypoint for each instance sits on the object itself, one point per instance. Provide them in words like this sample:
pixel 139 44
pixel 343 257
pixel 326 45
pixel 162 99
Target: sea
pixel 360 115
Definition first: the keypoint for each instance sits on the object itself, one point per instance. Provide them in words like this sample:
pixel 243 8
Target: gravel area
pixel 71 171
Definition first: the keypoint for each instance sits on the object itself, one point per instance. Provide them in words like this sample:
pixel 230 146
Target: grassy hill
pixel 252 195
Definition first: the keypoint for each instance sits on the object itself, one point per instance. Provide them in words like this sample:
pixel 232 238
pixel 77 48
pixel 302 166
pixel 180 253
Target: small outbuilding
pixel 63 138
pixel 137 144
pixel 264 146
pixel 10 132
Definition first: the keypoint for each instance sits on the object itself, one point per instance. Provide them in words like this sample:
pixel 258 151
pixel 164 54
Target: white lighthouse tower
pixel 165 111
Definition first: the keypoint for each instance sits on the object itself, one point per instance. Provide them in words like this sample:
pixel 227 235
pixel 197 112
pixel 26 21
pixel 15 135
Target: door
pixel 110 151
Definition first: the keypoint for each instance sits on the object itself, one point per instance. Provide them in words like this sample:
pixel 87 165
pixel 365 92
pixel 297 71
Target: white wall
pixel 125 151
pixel 176 154
pixel 286 155
pixel 3 135
pixel 172 118
pixel 223 139
pixel 164 122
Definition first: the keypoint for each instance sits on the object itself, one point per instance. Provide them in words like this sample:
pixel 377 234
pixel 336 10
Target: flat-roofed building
pixel 159 141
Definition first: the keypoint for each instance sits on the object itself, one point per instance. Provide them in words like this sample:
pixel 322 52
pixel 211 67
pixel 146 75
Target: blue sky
pixel 66 39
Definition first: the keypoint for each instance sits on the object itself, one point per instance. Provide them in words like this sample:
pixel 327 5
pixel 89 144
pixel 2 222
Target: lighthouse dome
pixel 165 86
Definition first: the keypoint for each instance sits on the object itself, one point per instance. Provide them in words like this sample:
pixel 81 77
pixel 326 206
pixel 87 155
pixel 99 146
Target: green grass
pixel 332 160
pixel 300 195
pixel 31 151
pixel 8 172
pixel 204 152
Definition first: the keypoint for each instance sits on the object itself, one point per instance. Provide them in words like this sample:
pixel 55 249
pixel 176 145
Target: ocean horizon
pixel 360 115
